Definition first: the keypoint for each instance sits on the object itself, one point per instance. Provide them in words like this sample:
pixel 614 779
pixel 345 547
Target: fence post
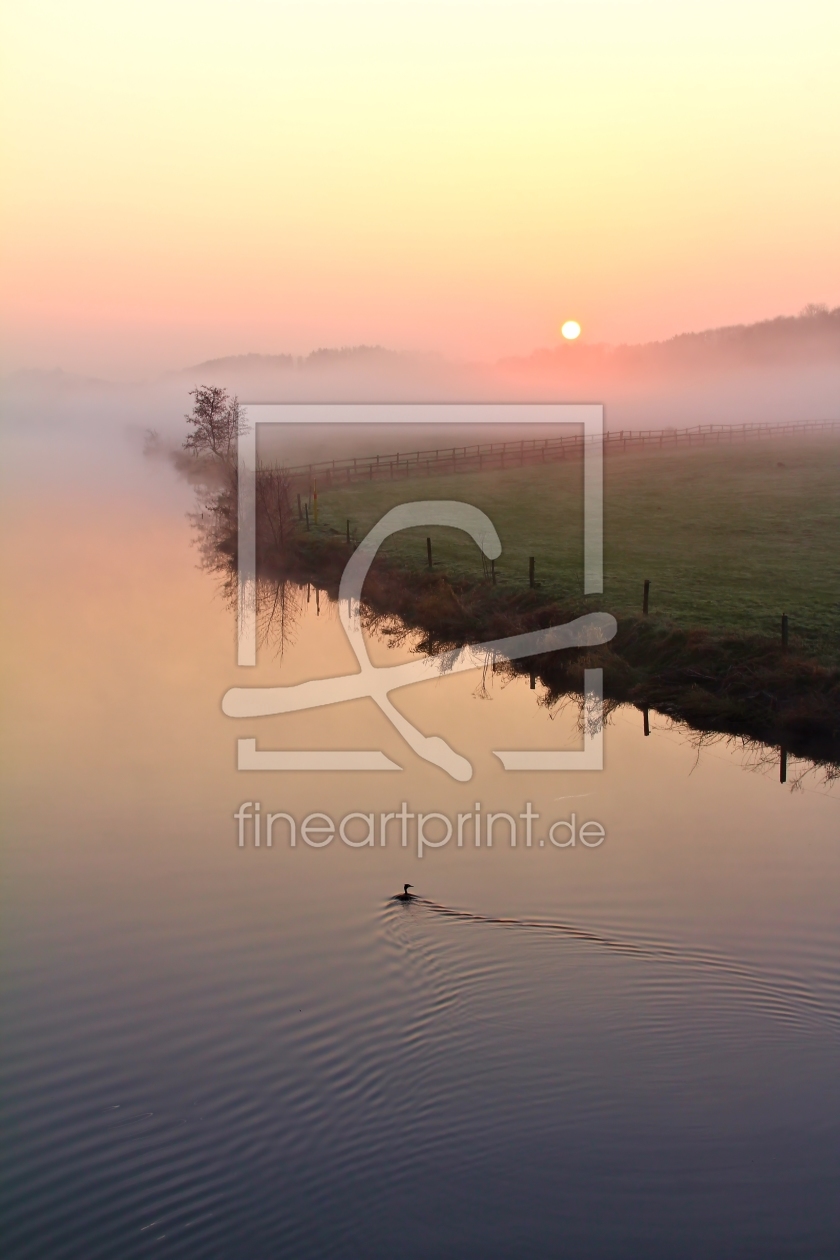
pixel 306 510
pixel 646 597
pixel 493 571
pixel 646 716
pixel 429 551
pixel 530 570
pixel 348 531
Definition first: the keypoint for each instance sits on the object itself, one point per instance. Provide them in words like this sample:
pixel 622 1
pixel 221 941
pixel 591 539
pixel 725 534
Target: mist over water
pixel 779 371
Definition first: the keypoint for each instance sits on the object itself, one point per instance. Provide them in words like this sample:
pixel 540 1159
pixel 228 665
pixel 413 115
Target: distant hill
pixel 813 336
pixel 329 356
pixel 370 372
pixel 815 331
pixel 778 369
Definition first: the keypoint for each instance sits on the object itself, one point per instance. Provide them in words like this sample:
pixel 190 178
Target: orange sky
pixel 184 180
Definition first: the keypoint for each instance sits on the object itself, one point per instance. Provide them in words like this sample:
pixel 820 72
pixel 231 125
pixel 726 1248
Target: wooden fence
pixel 486 456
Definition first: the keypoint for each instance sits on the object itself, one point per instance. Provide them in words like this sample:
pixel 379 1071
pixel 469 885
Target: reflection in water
pixel 749 687
pixel 223 1052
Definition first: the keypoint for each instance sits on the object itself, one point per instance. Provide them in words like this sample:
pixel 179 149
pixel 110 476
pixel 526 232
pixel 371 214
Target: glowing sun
pixel 571 329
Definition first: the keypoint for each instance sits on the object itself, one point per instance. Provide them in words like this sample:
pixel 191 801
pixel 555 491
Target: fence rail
pixel 486 456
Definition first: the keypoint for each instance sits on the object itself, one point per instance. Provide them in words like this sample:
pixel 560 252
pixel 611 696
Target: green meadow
pixel 730 538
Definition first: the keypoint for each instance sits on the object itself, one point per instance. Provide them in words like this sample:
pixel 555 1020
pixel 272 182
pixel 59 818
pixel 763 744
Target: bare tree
pixel 217 421
pixel 275 523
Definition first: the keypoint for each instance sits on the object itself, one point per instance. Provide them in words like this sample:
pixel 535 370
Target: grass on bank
pixel 730 537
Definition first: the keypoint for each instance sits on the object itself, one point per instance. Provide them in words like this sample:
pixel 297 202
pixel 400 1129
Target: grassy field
pixel 730 537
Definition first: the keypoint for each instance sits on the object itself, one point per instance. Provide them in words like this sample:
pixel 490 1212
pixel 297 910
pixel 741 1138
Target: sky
pixel 187 180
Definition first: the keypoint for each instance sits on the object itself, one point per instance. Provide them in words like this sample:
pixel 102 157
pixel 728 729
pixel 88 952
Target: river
pixel 622 1048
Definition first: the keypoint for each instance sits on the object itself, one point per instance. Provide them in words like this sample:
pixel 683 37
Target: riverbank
pixel 729 540
pixel 731 683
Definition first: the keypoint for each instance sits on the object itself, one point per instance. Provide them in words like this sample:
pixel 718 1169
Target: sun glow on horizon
pixel 188 181
pixel 571 330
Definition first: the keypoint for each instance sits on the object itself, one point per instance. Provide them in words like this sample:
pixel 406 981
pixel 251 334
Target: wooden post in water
pixel 348 531
pixel 531 571
pixel 784 632
pixel 646 716
pixel 306 510
pixel 429 551
pixel 493 571
pixel 533 680
pixel 783 765
pixel 646 597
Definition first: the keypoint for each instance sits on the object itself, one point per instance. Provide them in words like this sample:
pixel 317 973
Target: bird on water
pixel 405 895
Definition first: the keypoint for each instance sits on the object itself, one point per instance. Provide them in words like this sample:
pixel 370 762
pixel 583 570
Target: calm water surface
pixel 214 1051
